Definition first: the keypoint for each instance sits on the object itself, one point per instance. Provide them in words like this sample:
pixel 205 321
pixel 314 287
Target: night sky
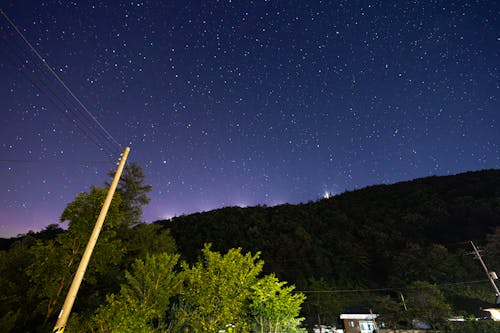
pixel 242 103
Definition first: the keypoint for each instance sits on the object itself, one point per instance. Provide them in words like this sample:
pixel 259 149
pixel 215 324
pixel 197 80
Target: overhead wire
pixel 444 284
pixel 59 79
pixel 55 100
pixel 39 81
pixel 107 135
pixel 58 102
pixel 52 162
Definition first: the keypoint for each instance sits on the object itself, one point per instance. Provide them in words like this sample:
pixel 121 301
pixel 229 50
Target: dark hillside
pixel 379 235
pixel 49 232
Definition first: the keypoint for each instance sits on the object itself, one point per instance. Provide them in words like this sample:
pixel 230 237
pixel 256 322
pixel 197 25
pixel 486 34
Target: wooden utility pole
pixel 403 300
pixel 77 280
pixel 488 273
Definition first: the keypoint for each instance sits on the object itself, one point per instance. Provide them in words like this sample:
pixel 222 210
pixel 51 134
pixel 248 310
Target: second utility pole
pixel 488 273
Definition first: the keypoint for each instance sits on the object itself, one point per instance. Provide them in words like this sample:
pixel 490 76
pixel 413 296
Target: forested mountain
pixel 383 236
pixel 360 248
pixel 376 235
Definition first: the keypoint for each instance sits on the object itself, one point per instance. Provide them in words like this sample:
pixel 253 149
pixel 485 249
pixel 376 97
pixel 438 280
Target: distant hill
pixel 376 236
pixel 49 232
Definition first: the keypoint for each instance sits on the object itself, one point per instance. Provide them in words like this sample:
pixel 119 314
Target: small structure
pixel 494 312
pixel 359 320
pixel 324 329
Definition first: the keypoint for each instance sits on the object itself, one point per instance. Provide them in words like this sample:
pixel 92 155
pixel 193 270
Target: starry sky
pixel 228 103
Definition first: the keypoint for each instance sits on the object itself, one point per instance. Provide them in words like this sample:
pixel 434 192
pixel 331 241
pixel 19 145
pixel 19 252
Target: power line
pixel 54 162
pixel 60 80
pixel 332 291
pixel 344 290
pixel 59 103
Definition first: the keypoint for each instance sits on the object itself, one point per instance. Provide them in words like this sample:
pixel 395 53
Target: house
pixel 359 320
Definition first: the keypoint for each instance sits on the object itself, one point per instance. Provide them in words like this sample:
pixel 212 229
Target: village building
pixel 361 321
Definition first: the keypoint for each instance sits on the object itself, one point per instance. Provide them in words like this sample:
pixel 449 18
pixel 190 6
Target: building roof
pixel 359 316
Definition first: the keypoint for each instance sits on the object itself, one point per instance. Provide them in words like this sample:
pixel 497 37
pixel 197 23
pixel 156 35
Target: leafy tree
pixel 53 258
pixel 390 310
pixel 134 193
pixel 433 263
pixel 480 326
pixel 321 308
pixel 493 250
pixel 8 320
pixel 426 302
pixel 55 261
pixel 143 301
pixel 15 306
pixel 216 290
pixel 49 232
pixel 146 239
pixel 275 308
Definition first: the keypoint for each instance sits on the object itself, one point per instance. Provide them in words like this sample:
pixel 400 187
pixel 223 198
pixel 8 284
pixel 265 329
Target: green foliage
pixel 275 308
pixel 144 239
pixel 153 281
pixel 82 212
pixel 481 326
pixel 36 272
pixel 391 311
pixel 8 321
pixel 320 307
pixel 134 193
pixel 82 215
pixel 379 236
pixel 427 303
pixel 49 232
pixel 468 300
pixel 216 290
pixel 493 250
pixel 124 315
pixel 15 303
pixel 433 263
pixel 55 261
pixel 50 275
pixel 219 292
pixel 79 323
pixel 144 299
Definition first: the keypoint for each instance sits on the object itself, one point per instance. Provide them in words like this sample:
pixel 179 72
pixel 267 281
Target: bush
pixel 481 326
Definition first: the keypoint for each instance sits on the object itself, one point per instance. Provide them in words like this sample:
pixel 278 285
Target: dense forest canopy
pixel 379 237
pixel 370 236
